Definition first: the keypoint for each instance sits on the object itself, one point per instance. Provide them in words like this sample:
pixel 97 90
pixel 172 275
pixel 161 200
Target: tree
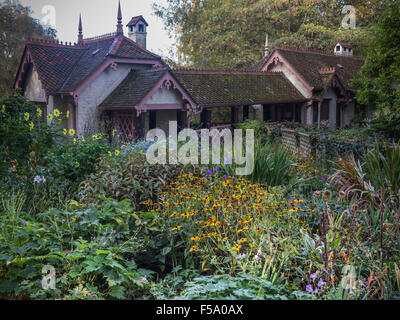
pixel 16 26
pixel 229 34
pixel 379 83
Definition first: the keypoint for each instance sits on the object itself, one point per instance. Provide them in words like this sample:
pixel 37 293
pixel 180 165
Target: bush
pixel 24 138
pixel 128 176
pixel 92 250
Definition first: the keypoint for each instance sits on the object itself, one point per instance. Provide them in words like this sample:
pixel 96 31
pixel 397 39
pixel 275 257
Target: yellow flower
pixel 56 113
pixel 75 141
pixel 67 114
pixel 109 153
pixel 194 248
pixel 71 132
pixel 237 247
pixel 26 116
pixel 113 133
pixel 195 239
pixel 3 108
pixel 77 165
pixel 176 228
pixel 50 116
pixel 116 153
pixel 31 126
pixel 39 112
pixel 65 132
pixel 243 240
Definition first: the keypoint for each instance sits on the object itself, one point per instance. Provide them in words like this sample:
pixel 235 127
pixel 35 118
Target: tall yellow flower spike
pixel 3 108
pixel 67 114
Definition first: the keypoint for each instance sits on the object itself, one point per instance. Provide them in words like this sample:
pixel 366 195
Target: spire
pixel 120 29
pixel 80 35
pixel 266 46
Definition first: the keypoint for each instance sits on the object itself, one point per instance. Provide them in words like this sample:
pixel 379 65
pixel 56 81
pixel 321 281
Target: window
pixel 141 28
pixel 338 48
pixel 131 28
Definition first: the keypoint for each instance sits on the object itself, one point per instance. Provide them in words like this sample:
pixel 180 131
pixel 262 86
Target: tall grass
pixel 272 165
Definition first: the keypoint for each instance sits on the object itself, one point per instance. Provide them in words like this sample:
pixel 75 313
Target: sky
pixel 100 17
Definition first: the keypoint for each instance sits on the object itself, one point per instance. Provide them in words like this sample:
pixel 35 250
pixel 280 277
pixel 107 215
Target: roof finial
pixel 266 46
pixel 120 28
pixel 80 34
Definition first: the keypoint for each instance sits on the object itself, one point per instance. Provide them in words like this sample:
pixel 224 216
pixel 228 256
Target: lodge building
pixel 113 81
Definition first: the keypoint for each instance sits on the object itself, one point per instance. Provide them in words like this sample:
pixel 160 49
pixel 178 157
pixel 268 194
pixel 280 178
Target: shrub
pixel 24 137
pixel 92 250
pixel 128 176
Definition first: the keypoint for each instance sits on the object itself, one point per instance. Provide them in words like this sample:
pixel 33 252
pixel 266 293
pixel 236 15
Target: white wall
pixel 34 90
pixel 95 93
pixel 165 96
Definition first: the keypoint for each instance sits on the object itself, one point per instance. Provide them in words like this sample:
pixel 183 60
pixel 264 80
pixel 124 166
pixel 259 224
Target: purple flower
pixel 39 179
pixel 144 279
pixel 309 288
pixel 225 177
pixel 24 222
pixel 313 276
pixel 228 160
pixel 217 169
pixel 361 283
pixel 257 257
pixel 209 173
pixel 321 283
pixel 315 291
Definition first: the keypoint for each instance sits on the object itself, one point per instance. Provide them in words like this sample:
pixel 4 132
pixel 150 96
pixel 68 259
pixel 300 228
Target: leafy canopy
pixel 229 34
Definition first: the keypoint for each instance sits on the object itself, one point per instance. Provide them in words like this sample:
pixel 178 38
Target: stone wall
pixel 297 142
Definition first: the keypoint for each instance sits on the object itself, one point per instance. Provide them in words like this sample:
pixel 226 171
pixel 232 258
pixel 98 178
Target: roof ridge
pixel 208 71
pixel 55 43
pixel 100 37
pixel 310 50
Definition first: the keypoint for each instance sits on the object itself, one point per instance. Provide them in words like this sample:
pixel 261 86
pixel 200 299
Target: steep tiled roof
pixel 54 63
pixel 133 88
pixel 62 68
pixel 88 63
pixel 308 64
pixel 208 88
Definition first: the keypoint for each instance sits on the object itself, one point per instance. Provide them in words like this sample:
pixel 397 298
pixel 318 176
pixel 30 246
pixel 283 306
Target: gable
pixel 34 90
pixel 307 64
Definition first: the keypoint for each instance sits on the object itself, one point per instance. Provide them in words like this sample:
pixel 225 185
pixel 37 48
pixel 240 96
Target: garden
pixel 323 226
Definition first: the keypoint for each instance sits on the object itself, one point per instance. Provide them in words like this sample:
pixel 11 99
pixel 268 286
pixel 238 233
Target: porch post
pixel 140 125
pixel 234 115
pixel 245 113
pixel 319 114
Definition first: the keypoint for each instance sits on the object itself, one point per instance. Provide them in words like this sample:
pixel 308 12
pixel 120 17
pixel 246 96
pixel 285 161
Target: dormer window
pixel 141 28
pixel 131 28
pixel 338 48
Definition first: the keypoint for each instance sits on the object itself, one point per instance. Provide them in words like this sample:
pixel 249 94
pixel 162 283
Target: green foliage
pixel 240 287
pixel 91 249
pixel 24 138
pixel 69 163
pixel 128 176
pixel 17 26
pixel 378 85
pixel 233 33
